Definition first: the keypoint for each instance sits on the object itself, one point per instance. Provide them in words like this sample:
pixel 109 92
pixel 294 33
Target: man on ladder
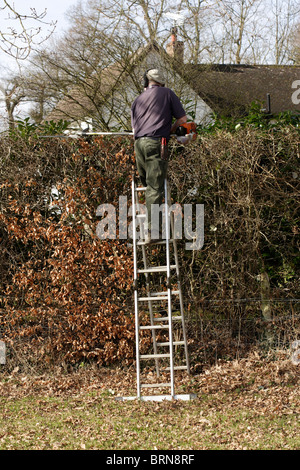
pixel 151 118
pixel 152 114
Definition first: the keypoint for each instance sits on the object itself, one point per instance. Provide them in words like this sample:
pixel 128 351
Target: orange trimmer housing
pixel 187 128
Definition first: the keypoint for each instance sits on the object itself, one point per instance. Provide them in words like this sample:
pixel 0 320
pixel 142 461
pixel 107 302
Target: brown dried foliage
pixel 66 291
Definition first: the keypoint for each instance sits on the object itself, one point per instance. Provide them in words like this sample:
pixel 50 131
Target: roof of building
pixel 227 89
pixel 230 88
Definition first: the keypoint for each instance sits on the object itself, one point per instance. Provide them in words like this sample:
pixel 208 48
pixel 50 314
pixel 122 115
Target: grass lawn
pixel 241 405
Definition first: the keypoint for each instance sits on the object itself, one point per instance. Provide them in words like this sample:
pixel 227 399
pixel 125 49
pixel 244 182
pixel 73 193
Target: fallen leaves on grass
pixel 252 403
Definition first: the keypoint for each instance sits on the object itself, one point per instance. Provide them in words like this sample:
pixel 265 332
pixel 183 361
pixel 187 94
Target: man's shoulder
pixel 167 90
pixel 158 92
pixel 137 98
pixel 171 93
pixel 141 96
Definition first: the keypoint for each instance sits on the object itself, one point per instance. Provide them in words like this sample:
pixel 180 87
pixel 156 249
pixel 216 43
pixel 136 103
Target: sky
pixel 56 10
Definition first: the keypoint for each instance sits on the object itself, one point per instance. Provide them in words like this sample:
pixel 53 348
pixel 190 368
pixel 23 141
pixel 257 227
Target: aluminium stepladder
pixel 165 316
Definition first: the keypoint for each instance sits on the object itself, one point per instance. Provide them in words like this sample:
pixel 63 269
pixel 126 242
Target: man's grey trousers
pixel 152 170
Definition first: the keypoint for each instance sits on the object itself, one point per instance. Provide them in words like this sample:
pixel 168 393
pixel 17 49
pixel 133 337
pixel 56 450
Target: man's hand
pixel 178 123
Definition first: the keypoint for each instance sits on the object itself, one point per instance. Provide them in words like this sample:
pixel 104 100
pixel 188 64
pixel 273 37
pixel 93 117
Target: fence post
pixel 265 306
pixel 2 353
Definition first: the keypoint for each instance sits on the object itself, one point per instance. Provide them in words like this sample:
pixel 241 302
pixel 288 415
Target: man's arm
pixel 178 123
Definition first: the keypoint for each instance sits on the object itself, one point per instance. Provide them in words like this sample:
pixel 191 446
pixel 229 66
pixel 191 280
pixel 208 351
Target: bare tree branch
pixel 25 31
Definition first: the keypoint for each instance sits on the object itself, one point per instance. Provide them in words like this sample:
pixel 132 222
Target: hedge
pixel 66 296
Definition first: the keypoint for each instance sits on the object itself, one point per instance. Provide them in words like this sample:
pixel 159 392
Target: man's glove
pixel 184 139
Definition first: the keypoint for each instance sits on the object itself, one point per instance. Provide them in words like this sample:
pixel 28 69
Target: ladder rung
pixel 155 385
pixel 167 318
pixel 154 327
pixel 173 292
pixel 144 299
pixel 156 269
pixel 153 356
pixel 158 296
pixel 154 242
pixel 167 343
pixel 141 189
pixel 176 368
pixel 141 216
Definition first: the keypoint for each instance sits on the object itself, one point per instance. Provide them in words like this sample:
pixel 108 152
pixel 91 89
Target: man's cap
pixel 156 75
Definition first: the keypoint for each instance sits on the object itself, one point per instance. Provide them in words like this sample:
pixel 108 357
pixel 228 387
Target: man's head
pixel 156 76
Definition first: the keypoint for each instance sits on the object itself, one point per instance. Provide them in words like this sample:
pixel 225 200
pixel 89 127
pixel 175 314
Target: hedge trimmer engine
pixel 186 133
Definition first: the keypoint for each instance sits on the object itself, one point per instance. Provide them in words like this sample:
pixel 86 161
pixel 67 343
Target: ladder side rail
pixel 136 308
pixel 175 248
pixel 142 232
pixel 169 288
pixel 181 309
